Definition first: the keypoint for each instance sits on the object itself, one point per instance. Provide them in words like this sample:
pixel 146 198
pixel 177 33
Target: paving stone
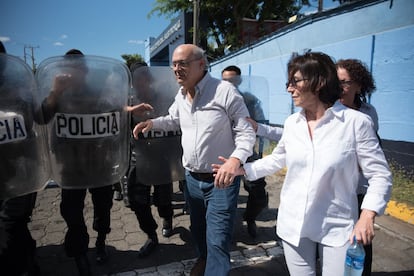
pixel 174 269
pixel 176 255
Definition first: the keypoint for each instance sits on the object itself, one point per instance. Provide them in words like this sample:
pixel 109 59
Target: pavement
pixel 393 244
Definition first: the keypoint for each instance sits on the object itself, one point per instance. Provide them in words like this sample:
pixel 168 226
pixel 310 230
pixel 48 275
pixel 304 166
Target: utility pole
pixel 320 5
pixel 31 54
pixel 196 11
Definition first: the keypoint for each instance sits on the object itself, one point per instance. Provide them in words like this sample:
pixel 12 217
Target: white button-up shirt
pixel 369 110
pixel 272 133
pixel 318 198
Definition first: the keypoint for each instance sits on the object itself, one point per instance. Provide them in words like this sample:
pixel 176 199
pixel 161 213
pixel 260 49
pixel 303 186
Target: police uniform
pixel 17 247
pixel 86 137
pixel 139 196
pixel 22 151
pixel 139 193
pixel 72 155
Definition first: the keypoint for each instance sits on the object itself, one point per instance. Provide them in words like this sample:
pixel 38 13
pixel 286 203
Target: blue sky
pixel 97 27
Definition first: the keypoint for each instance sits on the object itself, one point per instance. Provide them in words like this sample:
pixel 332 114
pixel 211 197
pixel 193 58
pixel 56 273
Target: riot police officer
pixel 86 131
pixel 139 193
pixel 21 154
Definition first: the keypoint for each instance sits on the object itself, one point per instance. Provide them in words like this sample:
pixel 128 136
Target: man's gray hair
pixel 200 53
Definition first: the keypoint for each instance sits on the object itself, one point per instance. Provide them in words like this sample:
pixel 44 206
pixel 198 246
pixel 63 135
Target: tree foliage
pixel 221 20
pixel 131 59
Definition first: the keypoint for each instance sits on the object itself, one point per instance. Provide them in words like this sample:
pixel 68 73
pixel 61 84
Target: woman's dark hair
pixel 320 72
pixel 358 73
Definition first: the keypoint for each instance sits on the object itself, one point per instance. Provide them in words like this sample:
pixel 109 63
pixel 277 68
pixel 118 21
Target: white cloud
pixel 133 41
pixel 63 36
pixel 4 38
pixel 58 44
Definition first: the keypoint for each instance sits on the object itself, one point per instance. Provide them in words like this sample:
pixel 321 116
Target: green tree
pixel 221 20
pixel 131 59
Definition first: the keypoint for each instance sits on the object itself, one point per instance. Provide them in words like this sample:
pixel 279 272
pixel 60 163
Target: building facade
pixel 378 32
pixel 158 51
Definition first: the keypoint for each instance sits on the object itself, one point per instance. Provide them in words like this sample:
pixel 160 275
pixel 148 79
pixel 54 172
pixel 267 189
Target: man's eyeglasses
pixel 294 82
pixel 183 63
pixel 346 83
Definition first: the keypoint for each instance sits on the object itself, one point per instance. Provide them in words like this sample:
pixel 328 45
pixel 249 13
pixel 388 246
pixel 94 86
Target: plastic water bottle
pixel 354 261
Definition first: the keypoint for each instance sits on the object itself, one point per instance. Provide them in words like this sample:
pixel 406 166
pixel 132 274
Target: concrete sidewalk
pixel 393 244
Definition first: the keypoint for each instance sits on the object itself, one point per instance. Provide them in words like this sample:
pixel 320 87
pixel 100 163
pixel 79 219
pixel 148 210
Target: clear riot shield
pixel 255 92
pixel 24 162
pixel 158 154
pixel 83 103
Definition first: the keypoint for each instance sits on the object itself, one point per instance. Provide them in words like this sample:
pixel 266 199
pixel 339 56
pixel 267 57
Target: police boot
pixel 82 263
pixel 101 253
pixel 252 228
pixel 250 218
pixel 149 246
pixel 167 229
pixel 256 202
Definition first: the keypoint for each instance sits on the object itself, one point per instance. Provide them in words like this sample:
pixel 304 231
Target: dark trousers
pixel 139 196
pixel 257 199
pixel 367 248
pixel 71 209
pixel 17 247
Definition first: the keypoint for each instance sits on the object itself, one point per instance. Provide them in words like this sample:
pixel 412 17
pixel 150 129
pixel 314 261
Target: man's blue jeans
pixel 212 214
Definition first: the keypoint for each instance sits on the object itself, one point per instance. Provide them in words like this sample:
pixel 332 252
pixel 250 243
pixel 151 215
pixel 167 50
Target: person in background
pixel 17 246
pixel 232 73
pixel 258 197
pixel 270 132
pixel 357 83
pixel 320 145
pixel 139 194
pixel 212 117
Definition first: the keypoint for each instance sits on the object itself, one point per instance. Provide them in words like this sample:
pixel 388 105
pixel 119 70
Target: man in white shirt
pixel 212 117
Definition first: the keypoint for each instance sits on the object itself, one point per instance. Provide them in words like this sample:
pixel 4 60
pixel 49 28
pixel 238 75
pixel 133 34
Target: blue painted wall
pixel 380 33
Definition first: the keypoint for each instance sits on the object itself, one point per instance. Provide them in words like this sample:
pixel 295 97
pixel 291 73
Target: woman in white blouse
pixel 323 147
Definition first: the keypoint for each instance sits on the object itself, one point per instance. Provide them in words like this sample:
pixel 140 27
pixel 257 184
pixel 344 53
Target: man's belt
pixel 205 177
